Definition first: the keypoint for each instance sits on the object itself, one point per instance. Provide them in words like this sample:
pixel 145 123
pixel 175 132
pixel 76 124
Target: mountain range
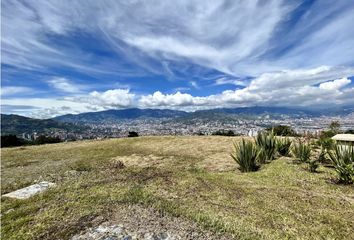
pixel 15 124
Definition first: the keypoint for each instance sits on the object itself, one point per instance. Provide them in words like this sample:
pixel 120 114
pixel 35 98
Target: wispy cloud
pixel 14 90
pixel 64 85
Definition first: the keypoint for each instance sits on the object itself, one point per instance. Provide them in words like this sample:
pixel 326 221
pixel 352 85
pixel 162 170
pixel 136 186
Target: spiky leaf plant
pixel 283 146
pixel 266 142
pixel 313 165
pixel 343 160
pixel 302 151
pixel 245 154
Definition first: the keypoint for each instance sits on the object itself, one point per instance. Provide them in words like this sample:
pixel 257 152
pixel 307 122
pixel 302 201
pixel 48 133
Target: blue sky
pixel 63 57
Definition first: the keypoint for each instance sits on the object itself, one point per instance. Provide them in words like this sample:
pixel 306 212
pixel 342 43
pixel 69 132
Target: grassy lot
pixel 189 177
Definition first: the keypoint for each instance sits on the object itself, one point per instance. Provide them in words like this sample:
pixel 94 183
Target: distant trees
pixel 42 139
pixel 133 134
pixel 229 133
pixel 333 129
pixel 282 130
pixel 14 141
pixel 11 141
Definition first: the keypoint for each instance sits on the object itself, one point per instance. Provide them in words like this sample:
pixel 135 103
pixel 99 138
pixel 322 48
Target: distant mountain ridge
pixel 136 113
pixel 123 114
pixel 15 124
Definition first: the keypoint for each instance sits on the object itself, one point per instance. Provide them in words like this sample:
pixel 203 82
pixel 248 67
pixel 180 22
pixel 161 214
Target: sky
pixel 61 56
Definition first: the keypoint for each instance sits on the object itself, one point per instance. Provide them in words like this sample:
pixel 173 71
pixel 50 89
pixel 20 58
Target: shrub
pixel 282 130
pixel 326 143
pixel 283 146
pixel 42 139
pixel 229 133
pixel 302 151
pixel 322 157
pixel 11 141
pixel 266 142
pixel 313 165
pixel 343 161
pixel 245 154
pixel 133 134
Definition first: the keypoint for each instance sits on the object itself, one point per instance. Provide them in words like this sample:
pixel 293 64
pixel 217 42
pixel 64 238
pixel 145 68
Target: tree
pixel 133 134
pixel 282 130
pixel 11 141
pixel 334 127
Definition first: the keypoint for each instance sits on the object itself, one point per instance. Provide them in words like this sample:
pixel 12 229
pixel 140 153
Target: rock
pixel 29 191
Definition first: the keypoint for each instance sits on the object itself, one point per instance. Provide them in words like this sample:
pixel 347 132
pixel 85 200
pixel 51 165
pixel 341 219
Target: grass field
pixel 193 178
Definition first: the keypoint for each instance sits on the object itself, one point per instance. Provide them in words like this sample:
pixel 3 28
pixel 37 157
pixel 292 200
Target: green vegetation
pixel 282 130
pixel 266 142
pixel 245 155
pixel 302 151
pixel 14 141
pixel 133 134
pixel 313 165
pixel 283 146
pixel 343 161
pixel 189 177
pixel 223 132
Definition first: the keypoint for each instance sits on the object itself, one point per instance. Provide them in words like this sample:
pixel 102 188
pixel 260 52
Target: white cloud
pixel 225 80
pixel 112 98
pixel 194 84
pixel 336 84
pixel 64 85
pixel 14 90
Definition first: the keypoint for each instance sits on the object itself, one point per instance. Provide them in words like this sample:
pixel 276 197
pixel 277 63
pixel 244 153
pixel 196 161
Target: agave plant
pixel 266 142
pixel 313 165
pixel 283 146
pixel 343 161
pixel 245 154
pixel 302 151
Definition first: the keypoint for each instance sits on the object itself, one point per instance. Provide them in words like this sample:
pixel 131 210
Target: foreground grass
pixel 189 177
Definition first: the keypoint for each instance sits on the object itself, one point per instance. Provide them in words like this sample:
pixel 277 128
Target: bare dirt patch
pixel 136 222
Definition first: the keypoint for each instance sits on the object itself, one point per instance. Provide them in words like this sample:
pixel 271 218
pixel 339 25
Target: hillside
pixel 187 186
pixel 15 124
pixel 217 114
pixel 116 115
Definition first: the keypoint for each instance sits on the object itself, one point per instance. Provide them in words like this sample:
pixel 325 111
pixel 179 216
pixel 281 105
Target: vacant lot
pixel 191 179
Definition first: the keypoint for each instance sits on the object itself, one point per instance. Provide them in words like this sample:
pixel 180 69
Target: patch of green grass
pixel 280 201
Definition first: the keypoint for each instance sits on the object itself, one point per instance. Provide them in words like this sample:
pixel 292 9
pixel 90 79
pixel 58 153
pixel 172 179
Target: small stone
pixel 29 191
pixel 110 238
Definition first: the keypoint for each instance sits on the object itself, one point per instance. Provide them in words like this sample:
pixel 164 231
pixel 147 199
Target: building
pixel 344 139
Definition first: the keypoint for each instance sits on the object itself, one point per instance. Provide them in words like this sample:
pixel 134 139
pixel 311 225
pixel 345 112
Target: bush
pixel 245 154
pixel 133 134
pixel 343 161
pixel 266 143
pixel 11 141
pixel 282 130
pixel 229 133
pixel 326 143
pixel 46 140
pixel 313 165
pixel 302 152
pixel 283 146
pixel 322 157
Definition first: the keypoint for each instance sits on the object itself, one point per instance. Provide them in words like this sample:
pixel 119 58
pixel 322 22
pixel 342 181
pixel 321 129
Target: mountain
pixel 15 124
pixel 111 116
pixel 116 115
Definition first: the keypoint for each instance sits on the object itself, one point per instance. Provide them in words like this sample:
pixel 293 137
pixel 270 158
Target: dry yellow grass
pixel 189 177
